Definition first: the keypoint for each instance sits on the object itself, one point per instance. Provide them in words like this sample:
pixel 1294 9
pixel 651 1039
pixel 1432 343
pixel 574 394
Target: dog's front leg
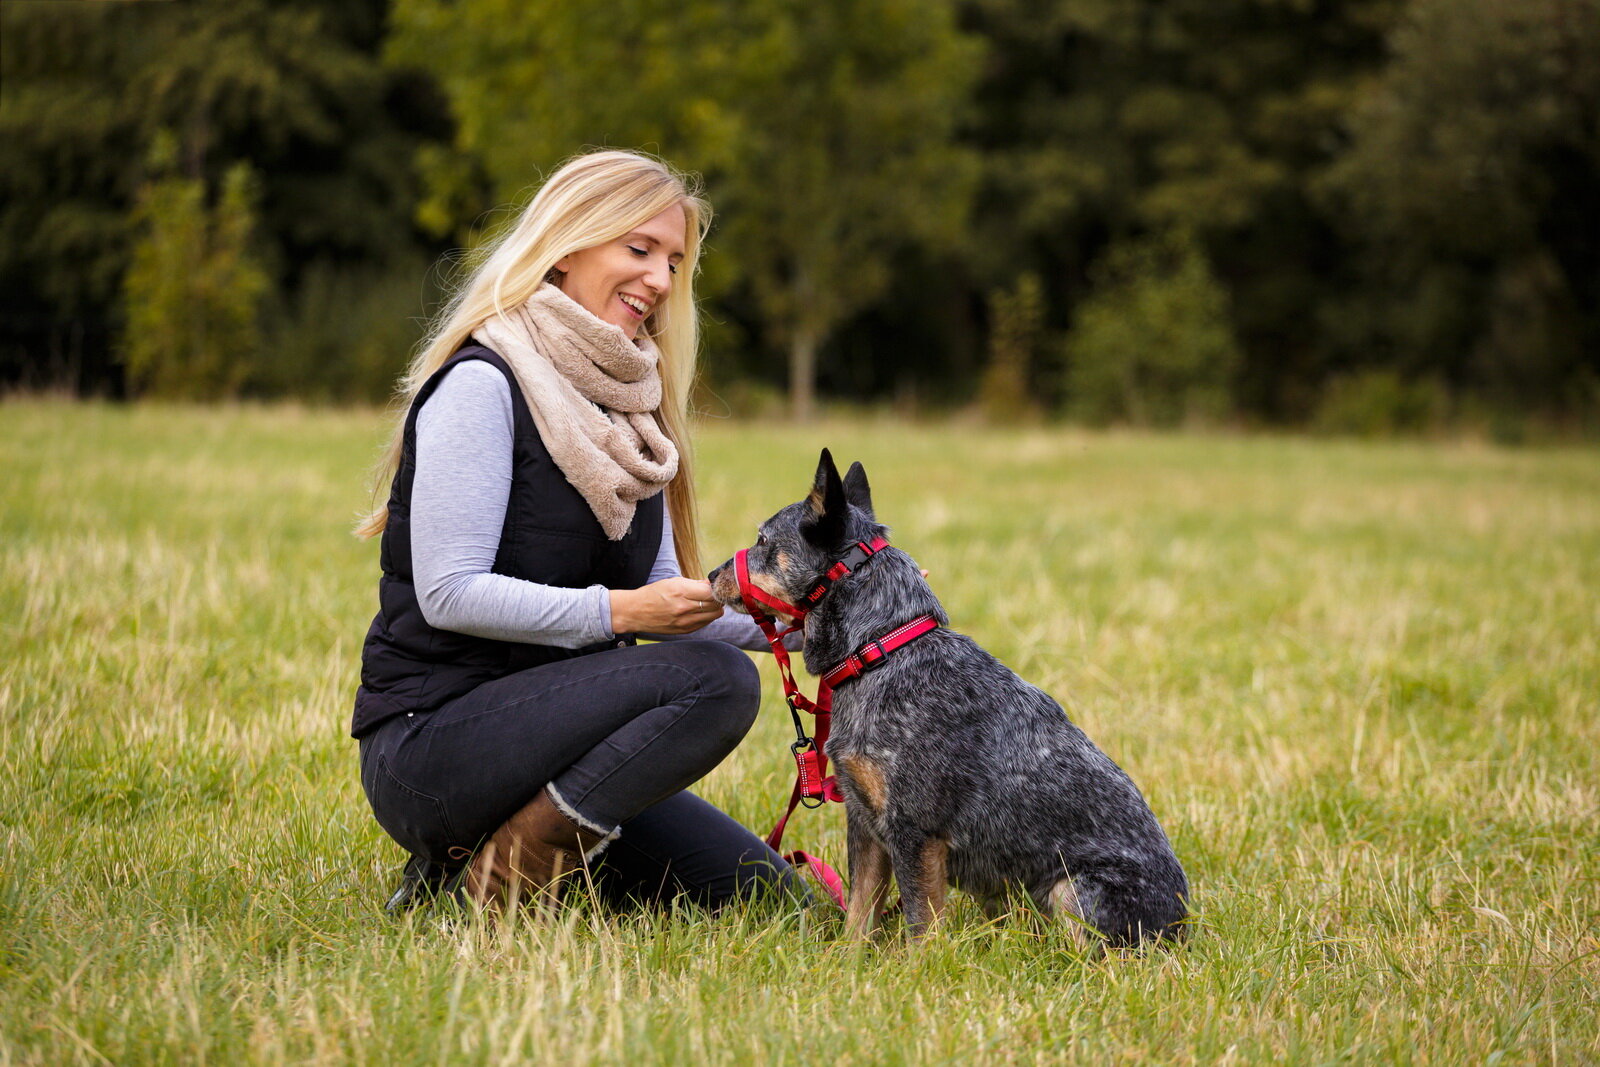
pixel 869 876
pixel 920 862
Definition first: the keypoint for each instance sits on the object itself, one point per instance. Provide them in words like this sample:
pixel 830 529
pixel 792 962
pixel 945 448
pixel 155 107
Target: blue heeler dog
pixel 954 770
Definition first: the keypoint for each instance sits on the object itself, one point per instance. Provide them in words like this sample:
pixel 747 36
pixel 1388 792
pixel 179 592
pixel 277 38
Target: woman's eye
pixel 673 267
pixel 641 253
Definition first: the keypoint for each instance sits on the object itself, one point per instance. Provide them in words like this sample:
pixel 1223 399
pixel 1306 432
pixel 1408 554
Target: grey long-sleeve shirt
pixel 458 506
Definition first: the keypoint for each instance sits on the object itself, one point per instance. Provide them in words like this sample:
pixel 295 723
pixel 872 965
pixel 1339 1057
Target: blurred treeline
pixel 1360 215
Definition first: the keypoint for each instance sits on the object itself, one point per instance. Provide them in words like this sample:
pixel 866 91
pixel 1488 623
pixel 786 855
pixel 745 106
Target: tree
pixel 1015 321
pixel 1473 178
pixel 194 288
pixel 824 129
pixel 1104 120
pixel 293 88
pixel 846 160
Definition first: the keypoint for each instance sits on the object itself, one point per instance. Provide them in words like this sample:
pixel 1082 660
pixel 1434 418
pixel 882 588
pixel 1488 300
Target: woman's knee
pixel 730 686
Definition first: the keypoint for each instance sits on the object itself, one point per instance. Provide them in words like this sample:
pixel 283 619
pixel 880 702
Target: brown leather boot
pixel 526 859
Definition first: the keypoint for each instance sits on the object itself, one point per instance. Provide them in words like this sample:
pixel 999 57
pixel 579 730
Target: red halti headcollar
pixel 756 600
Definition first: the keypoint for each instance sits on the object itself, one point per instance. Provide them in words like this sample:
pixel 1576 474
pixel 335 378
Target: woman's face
pixel 622 281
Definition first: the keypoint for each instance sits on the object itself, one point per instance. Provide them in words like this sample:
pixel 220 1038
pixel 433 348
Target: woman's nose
pixel 659 278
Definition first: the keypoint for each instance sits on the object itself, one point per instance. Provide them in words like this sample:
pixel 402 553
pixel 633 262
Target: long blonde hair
pixel 590 200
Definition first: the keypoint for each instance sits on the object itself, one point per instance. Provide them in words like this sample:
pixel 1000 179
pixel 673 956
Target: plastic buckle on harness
pixel 871 664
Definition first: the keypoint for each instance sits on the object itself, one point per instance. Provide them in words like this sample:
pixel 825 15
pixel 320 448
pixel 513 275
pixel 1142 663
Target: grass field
pixel 1360 684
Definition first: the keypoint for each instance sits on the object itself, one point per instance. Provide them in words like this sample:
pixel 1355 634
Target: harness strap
pixel 756 598
pixel 859 553
pixel 872 654
pixel 813 785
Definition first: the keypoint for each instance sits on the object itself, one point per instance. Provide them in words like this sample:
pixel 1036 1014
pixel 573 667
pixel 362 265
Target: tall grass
pixel 1358 682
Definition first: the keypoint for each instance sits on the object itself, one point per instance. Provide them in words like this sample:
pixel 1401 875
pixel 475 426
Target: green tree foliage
pixel 293 88
pixel 1473 179
pixel 848 161
pixel 824 129
pixel 532 83
pixel 194 288
pixel 1105 119
pixel 344 332
pixel 73 146
pixel 1153 344
pixel 1398 197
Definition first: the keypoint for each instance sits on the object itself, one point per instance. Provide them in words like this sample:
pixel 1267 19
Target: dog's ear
pixel 857 491
pixel 828 504
pixel 826 474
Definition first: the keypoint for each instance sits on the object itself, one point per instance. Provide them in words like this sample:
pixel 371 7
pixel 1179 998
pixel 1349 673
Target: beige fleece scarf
pixel 593 394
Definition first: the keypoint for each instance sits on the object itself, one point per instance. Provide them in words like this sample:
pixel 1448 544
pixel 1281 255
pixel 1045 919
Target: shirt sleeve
pixel 459 496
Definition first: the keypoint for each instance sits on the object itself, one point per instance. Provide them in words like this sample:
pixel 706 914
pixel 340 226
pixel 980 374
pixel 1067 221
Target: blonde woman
pixel 540 516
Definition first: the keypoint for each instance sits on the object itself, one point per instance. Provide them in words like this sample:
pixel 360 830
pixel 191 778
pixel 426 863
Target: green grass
pixel 1358 682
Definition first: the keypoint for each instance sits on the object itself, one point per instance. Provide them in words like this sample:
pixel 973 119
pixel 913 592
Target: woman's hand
pixel 670 606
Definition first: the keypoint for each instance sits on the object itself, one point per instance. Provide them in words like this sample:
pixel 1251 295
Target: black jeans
pixel 616 736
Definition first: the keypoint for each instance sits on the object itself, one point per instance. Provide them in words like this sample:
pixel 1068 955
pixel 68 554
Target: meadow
pixel 1359 683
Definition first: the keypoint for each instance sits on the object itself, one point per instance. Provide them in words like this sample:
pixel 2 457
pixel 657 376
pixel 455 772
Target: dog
pixel 954 771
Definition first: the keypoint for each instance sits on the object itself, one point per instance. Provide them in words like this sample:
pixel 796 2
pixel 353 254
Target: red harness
pixel 813 785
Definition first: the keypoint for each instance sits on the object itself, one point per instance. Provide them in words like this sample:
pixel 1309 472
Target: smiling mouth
pixel 634 304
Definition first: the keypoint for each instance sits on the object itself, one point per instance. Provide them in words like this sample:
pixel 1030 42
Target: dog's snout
pixel 723 586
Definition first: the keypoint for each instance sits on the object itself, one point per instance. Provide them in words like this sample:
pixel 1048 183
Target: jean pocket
pixel 415 820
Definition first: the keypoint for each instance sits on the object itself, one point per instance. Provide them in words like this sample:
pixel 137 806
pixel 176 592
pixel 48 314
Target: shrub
pixel 193 289
pixel 1380 403
pixel 347 334
pixel 1016 321
pixel 1153 344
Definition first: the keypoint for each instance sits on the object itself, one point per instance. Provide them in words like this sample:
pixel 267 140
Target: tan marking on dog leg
pixel 867 776
pixel 869 883
pixel 925 900
pixel 1065 907
pixel 936 874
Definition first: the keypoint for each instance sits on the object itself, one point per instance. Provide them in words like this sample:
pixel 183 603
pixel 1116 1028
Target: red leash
pixel 813 785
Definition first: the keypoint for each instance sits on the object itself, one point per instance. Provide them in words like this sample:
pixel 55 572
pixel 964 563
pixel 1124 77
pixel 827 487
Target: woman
pixel 541 514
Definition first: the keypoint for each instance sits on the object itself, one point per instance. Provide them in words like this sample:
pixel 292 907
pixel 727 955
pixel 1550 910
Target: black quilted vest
pixel 550 536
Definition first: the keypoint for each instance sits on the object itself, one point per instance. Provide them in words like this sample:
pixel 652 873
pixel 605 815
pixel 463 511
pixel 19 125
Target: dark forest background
pixel 1354 215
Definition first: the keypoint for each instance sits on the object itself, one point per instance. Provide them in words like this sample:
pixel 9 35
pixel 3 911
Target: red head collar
pixel 757 600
